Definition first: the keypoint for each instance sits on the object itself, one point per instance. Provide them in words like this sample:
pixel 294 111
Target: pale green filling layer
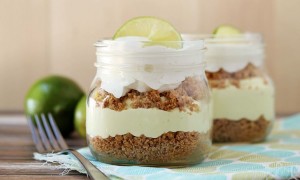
pixel 149 122
pixel 254 98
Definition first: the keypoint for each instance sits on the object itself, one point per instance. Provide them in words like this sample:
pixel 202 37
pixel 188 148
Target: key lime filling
pixel 253 98
pixel 149 122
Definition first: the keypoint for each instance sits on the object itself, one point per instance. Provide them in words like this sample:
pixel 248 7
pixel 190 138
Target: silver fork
pixel 52 141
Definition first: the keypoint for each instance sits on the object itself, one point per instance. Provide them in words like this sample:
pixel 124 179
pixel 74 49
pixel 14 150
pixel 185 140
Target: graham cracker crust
pixel 171 147
pixel 243 130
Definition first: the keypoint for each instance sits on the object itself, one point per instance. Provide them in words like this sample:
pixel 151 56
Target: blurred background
pixel 45 37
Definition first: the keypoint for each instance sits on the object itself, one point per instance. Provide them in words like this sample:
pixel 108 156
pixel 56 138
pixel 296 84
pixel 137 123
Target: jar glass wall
pixel 242 91
pixel 149 104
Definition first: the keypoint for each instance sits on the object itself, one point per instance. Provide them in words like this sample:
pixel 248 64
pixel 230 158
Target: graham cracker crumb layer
pixel 222 78
pixel 183 97
pixel 243 130
pixel 171 147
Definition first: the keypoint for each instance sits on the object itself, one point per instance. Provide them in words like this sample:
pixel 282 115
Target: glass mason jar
pixel 242 91
pixel 149 104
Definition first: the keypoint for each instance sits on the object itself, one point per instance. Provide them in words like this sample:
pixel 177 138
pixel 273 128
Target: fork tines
pixel 46 136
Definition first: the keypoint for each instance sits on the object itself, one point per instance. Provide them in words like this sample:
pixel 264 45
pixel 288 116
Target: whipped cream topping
pixel 232 53
pixel 136 63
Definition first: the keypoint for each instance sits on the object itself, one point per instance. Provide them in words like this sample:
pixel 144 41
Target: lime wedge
pixel 156 30
pixel 225 30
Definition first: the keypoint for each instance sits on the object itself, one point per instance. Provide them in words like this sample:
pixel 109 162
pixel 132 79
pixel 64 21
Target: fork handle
pixel 93 172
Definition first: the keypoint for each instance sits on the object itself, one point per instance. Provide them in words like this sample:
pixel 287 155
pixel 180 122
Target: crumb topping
pixel 222 78
pixel 183 98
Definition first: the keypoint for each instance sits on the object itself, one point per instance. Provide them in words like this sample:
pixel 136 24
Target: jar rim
pixel 232 52
pixel 141 67
pixel 247 37
pixel 126 54
pixel 108 41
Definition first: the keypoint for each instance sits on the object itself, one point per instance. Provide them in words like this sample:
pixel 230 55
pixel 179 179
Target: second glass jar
pixel 242 91
pixel 149 104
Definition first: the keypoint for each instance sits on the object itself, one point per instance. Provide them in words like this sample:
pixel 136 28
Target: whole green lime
pixel 80 117
pixel 57 95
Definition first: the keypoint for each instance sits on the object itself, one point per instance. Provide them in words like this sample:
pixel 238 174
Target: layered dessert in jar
pixel 149 102
pixel 242 92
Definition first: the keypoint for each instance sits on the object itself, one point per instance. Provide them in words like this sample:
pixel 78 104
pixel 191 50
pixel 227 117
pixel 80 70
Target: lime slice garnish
pixel 226 30
pixel 157 31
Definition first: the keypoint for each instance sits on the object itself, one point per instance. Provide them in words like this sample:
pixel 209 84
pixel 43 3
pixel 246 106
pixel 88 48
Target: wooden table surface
pixel 16 148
